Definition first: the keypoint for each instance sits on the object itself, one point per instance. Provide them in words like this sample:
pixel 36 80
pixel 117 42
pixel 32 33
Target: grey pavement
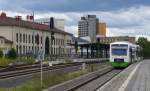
pixel 115 83
pixel 141 79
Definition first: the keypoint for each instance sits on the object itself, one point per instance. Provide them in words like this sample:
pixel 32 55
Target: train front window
pixel 120 52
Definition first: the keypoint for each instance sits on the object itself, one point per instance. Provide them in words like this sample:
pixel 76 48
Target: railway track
pixel 24 70
pixel 97 82
pixel 88 82
pixel 32 70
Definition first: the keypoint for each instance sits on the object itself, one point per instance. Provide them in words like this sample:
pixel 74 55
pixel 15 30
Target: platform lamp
pixel 76 47
pixel 98 50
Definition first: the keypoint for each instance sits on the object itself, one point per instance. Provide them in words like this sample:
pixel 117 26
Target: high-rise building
pixel 88 26
pixel 58 23
pixel 101 29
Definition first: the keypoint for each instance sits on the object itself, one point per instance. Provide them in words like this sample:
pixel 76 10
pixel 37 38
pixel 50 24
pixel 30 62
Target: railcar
pixel 124 53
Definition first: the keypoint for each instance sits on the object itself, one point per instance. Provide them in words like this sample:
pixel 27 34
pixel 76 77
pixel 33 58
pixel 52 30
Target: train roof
pixel 128 43
pixel 122 42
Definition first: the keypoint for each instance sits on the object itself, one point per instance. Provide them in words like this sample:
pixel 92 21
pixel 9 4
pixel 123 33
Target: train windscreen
pixel 119 52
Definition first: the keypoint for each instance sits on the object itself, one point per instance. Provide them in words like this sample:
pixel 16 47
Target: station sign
pixel 41 55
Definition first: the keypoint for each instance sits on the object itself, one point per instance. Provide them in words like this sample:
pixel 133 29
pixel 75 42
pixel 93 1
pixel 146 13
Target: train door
pixel 130 55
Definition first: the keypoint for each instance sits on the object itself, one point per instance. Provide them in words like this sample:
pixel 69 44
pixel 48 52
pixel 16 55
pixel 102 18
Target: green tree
pixel 1 53
pixel 12 54
pixel 145 44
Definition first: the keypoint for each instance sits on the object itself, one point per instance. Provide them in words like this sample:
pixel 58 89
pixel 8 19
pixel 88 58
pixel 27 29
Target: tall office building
pixel 88 26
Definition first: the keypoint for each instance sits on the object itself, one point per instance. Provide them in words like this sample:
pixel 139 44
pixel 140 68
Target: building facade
pixel 88 26
pixel 58 23
pixel 108 40
pixel 5 45
pixel 101 29
pixel 29 37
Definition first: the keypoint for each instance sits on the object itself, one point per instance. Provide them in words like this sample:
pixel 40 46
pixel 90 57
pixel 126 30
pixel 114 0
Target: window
pixel 20 49
pixel 26 49
pixel 20 38
pixel 23 38
pixel 17 37
pixel 26 38
pixel 119 52
pixel 23 49
pixel 29 48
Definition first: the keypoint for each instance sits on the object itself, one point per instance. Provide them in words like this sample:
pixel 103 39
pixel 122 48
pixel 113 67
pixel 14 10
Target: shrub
pixel 1 53
pixel 12 54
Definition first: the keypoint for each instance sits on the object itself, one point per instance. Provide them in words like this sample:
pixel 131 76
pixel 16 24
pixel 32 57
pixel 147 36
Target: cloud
pixel 133 21
pixel 69 5
pixel 72 29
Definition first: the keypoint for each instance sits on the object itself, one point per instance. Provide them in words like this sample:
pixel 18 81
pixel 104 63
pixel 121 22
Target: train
pixel 123 53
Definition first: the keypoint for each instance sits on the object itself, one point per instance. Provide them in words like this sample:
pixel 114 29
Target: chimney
pixel 51 22
pixel 30 17
pixel 18 17
pixel 3 14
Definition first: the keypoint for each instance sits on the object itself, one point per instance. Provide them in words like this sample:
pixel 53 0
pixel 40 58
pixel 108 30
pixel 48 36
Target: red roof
pixel 9 21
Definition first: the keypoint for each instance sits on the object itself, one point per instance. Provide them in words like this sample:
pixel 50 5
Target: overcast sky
pixel 123 17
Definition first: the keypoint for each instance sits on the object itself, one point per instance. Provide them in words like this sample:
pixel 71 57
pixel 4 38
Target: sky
pixel 123 17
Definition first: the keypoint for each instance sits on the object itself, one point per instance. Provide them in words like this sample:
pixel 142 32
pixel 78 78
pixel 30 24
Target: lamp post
pixel 41 56
pixel 76 47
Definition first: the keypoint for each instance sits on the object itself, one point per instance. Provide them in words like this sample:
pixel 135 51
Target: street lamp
pixel 76 47
pixel 41 56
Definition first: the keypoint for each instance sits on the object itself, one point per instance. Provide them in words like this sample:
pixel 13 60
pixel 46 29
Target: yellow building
pixel 101 29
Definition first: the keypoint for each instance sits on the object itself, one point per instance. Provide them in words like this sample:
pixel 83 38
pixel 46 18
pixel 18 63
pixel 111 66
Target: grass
pixel 23 60
pixel 48 79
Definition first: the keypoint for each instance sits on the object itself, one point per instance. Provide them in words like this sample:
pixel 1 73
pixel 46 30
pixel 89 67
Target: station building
pixel 108 40
pixel 30 37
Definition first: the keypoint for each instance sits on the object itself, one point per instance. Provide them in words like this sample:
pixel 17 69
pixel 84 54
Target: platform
pixel 134 78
